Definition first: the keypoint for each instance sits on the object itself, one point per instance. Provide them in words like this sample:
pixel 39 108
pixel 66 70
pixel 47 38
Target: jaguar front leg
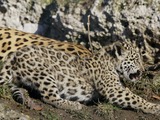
pixel 21 96
pixel 51 95
pixel 53 98
pixel 123 97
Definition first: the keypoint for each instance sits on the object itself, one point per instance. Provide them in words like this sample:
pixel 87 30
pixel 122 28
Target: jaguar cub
pixel 65 80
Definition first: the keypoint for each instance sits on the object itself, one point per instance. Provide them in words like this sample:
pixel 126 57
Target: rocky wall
pixel 109 19
pixel 67 20
pixel 23 15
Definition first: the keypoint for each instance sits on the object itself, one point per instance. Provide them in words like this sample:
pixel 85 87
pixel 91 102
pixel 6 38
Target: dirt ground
pixel 101 112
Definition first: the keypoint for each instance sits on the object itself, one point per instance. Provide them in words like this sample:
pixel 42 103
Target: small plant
pixel 106 110
pixel 4 91
pixel 4 88
pixel 82 115
pixel 48 115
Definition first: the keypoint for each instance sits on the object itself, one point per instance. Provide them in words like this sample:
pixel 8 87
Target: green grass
pixel 48 115
pixel 82 115
pixel 145 87
pixel 4 91
pixel 106 110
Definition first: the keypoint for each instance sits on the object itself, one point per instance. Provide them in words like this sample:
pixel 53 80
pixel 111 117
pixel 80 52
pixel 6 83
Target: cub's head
pixel 128 60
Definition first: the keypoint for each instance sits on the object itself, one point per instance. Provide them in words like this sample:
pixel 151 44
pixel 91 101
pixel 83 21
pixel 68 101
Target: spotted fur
pixel 11 40
pixel 65 80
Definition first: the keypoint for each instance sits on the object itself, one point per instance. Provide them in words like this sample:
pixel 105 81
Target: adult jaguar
pixel 64 80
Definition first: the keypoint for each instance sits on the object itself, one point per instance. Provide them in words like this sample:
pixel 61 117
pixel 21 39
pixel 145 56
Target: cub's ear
pixel 119 47
pixel 119 50
pixel 116 49
pixel 123 47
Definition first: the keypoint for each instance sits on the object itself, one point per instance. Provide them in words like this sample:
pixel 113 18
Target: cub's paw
pixel 77 106
pixel 70 105
pixel 153 109
pixel 156 109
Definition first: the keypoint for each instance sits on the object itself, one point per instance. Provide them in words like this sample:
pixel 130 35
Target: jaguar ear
pixel 119 51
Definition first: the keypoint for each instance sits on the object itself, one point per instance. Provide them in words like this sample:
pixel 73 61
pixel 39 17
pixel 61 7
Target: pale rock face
pixel 22 15
pixel 109 20
pixel 8 114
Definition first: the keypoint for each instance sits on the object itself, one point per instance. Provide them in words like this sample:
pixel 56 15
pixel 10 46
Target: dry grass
pixel 145 87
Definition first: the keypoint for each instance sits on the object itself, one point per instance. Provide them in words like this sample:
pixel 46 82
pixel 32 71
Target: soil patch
pixel 100 112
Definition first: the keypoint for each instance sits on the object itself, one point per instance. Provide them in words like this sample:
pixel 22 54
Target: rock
pixel 109 21
pixel 30 27
pixel 3 9
pixel 23 15
pixel 9 114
